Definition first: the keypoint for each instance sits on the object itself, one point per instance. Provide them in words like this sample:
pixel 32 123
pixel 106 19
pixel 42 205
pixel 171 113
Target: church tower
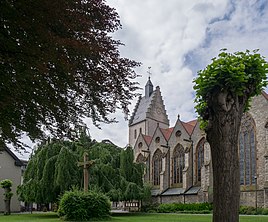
pixel 148 113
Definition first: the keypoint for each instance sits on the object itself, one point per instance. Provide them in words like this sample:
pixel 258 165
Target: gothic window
pixel 157 139
pixel 199 159
pixel 247 151
pixel 135 134
pixel 140 158
pixel 157 167
pixel 178 164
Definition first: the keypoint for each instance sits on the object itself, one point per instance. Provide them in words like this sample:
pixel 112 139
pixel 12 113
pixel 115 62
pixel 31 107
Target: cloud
pixel 177 38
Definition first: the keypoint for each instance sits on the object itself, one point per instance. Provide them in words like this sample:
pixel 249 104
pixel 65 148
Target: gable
pixel 140 110
pixel 150 107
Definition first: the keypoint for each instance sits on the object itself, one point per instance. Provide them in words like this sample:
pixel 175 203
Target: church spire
pixel 149 86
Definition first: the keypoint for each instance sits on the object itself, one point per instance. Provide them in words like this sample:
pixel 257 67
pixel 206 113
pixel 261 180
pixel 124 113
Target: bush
pixel 249 210
pixel 187 208
pixel 80 206
pixel 6 183
pixel 178 207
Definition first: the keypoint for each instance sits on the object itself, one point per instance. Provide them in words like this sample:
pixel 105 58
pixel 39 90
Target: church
pixel 178 158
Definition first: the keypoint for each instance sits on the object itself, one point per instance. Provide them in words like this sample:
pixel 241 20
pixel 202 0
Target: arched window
pixel 199 159
pixel 247 151
pixel 140 158
pixel 178 164
pixel 157 167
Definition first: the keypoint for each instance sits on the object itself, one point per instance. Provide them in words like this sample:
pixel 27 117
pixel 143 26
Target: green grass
pixel 43 217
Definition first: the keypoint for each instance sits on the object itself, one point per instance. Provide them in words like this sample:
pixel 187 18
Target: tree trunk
pixel 222 135
pixel 7 207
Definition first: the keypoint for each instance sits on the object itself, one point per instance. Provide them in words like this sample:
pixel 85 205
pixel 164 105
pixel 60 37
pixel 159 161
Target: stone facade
pixel 178 158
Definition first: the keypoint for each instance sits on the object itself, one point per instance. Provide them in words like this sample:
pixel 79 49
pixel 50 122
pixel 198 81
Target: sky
pixel 176 39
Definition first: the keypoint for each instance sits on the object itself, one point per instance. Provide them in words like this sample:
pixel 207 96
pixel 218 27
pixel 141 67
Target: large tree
pixel 53 169
pixel 223 92
pixel 59 64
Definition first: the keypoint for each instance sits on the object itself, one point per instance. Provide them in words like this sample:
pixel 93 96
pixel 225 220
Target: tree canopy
pixel 242 74
pixel 59 64
pixel 53 169
pixel 223 92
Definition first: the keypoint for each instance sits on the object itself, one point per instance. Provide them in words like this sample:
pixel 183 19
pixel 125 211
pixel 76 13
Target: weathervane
pixel 149 72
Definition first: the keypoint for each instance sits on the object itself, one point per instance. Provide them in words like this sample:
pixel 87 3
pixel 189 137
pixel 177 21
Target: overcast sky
pixel 176 38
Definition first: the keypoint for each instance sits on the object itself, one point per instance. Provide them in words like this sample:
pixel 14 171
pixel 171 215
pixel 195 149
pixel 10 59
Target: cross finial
pixel 149 72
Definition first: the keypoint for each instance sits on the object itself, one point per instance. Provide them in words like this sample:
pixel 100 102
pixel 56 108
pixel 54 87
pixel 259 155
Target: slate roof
pixel 173 191
pixel 193 190
pixel 155 192
pixel 140 110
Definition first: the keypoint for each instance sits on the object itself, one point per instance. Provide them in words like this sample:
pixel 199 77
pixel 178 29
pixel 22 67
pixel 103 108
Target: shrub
pixel 180 207
pixel 265 211
pixel 6 183
pixel 249 210
pixel 81 206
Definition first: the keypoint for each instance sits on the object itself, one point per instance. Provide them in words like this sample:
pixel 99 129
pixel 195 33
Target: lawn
pixel 43 217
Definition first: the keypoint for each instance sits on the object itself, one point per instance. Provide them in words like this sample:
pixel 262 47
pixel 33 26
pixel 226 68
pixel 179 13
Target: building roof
pixel 189 126
pixel 155 192
pixel 193 190
pixel 147 139
pixel 140 109
pixel 167 132
pixel 173 191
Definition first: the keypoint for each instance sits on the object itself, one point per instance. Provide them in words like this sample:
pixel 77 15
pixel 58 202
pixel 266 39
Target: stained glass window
pixel 178 164
pixel 247 151
pixel 199 159
pixel 140 158
pixel 157 167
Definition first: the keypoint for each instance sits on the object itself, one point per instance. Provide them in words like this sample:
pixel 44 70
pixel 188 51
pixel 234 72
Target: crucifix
pixel 149 72
pixel 85 164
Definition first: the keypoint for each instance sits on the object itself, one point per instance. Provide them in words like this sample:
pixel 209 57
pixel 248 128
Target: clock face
pixel 158 110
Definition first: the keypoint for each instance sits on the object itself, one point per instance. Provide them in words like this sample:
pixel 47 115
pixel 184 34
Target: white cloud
pixel 177 38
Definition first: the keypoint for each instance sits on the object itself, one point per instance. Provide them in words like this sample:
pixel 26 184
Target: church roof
pixel 173 191
pixel 140 109
pixel 147 139
pixel 189 126
pixel 167 132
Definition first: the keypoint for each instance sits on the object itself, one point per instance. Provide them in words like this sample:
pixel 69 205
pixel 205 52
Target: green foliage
pixel 180 207
pixel 8 195
pixel 132 192
pixel 249 210
pixel 81 206
pixel 203 208
pixel 241 74
pixel 6 183
pixel 50 171
pixel 115 173
pixel 53 169
pixel 59 64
